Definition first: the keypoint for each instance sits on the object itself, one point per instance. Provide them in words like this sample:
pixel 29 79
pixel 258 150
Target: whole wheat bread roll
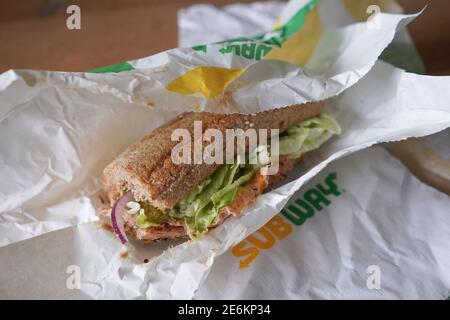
pixel 146 167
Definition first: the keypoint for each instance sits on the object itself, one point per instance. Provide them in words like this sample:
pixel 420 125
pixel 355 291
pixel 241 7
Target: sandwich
pixel 152 197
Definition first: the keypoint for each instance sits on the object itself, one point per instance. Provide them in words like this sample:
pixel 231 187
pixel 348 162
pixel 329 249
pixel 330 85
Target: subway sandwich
pixel 163 187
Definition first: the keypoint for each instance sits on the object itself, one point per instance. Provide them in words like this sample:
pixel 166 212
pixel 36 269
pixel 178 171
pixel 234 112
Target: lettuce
pixel 308 135
pixel 201 207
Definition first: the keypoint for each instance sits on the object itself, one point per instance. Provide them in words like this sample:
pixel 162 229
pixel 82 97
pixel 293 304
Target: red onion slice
pixel 116 216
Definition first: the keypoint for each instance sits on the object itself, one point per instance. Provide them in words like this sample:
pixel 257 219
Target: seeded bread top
pixel 146 167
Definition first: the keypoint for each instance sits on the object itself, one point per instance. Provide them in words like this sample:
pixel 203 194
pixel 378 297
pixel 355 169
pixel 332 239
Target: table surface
pixel 33 33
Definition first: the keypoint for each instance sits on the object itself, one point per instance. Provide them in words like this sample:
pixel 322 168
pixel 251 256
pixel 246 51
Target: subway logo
pixel 279 227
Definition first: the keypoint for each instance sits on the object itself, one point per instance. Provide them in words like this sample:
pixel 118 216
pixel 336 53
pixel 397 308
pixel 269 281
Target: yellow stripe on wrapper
pixel 358 9
pixel 208 81
pixel 299 48
pixel 277 24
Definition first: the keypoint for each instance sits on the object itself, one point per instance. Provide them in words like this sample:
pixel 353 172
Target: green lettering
pixel 316 198
pixel 248 51
pixel 226 49
pixel 298 215
pixel 229 49
pixel 307 211
pixel 261 51
pixel 200 48
pixel 332 186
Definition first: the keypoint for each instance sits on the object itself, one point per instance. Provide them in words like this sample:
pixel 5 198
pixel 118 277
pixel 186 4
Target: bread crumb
pixel 107 227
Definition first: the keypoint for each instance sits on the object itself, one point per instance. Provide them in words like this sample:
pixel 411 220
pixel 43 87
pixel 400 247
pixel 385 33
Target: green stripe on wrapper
pixel 115 68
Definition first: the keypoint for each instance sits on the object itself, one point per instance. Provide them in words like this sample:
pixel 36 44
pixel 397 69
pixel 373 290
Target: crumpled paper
pixel 399 108
pixel 383 220
pixel 58 131
pixel 376 221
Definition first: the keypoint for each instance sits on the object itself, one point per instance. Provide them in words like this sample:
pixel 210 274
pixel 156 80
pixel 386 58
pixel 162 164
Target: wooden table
pixel 33 35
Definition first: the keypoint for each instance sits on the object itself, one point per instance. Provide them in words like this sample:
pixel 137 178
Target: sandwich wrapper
pixel 59 130
pixel 382 216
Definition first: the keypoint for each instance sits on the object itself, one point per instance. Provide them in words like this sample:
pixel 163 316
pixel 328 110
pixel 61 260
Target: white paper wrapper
pixel 241 19
pixel 384 220
pixel 59 130
pixel 413 263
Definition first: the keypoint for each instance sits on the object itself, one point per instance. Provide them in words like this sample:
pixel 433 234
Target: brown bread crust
pixel 146 167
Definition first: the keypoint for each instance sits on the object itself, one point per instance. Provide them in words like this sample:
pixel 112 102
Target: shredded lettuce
pixel 308 135
pixel 200 208
pixel 218 192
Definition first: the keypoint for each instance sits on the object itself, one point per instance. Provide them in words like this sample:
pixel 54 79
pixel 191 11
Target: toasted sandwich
pixel 153 198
